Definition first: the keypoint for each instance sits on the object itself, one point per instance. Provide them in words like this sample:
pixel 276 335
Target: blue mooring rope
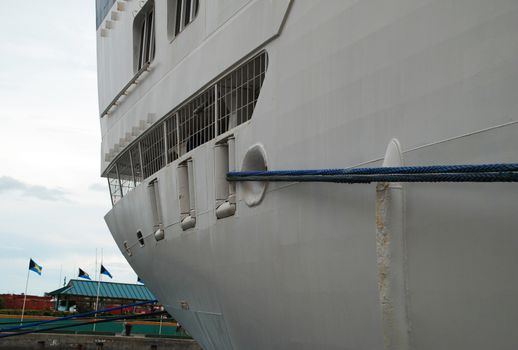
pixel 432 173
pixel 86 314
pixel 104 320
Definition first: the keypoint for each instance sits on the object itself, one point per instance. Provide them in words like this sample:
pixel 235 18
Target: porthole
pixel 127 248
pixel 140 238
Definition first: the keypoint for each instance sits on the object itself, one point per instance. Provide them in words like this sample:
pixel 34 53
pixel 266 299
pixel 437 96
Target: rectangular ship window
pixel 144 36
pixel 187 13
pixel 179 14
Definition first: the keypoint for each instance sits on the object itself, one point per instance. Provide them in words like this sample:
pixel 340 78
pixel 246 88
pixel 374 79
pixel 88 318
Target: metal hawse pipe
pixel 504 172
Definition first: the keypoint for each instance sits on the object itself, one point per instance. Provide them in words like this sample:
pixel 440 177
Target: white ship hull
pixel 335 266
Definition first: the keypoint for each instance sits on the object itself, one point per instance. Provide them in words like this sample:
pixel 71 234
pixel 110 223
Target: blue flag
pixel 105 272
pixel 84 275
pixel 35 267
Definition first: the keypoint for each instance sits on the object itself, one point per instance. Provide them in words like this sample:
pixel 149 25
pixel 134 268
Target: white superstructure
pixel 190 89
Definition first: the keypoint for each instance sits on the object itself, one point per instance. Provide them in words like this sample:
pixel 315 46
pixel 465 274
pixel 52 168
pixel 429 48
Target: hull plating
pixel 301 270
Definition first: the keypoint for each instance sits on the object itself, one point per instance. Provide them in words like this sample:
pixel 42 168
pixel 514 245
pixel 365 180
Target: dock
pixel 94 342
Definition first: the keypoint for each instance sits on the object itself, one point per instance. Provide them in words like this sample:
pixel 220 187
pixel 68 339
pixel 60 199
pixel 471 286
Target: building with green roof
pixel 82 294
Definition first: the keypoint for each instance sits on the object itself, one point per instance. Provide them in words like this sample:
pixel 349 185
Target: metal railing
pixel 125 89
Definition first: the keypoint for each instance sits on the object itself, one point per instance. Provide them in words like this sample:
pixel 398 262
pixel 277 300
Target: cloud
pixel 98 187
pixel 8 184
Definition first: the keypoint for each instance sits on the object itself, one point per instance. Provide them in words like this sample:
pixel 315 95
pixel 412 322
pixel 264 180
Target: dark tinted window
pixel 102 7
pixel 180 13
pixel 187 15
pixel 144 36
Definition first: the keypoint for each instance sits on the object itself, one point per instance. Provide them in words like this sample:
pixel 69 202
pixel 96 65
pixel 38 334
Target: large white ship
pixel 192 89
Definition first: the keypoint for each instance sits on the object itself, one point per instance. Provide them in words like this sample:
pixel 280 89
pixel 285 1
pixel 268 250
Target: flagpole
pixel 25 296
pixel 95 273
pixel 160 329
pixel 98 287
pixel 97 299
pixel 60 273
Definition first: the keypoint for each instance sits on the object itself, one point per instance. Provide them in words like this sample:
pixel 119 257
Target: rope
pixel 77 316
pixel 433 173
pixel 108 319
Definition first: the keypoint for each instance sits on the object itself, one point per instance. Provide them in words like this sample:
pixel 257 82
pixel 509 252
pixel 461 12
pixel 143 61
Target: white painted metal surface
pixel 301 269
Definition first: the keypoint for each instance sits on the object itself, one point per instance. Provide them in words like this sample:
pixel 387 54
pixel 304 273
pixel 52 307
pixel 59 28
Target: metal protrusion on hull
pixel 188 222
pixel 225 210
pixel 159 234
pixel 390 252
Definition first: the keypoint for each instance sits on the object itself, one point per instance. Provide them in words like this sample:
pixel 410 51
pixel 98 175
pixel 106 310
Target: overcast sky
pixel 52 199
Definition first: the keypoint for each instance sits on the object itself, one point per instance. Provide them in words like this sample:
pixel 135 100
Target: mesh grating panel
pixel 152 146
pixel 238 93
pixel 113 182
pixel 196 121
pixel 172 138
pixel 127 182
pixel 217 109
pixel 137 167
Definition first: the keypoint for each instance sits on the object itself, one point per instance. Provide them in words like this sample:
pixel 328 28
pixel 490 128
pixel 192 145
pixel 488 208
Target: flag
pixel 105 272
pixel 35 267
pixel 84 275
pixel 139 280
